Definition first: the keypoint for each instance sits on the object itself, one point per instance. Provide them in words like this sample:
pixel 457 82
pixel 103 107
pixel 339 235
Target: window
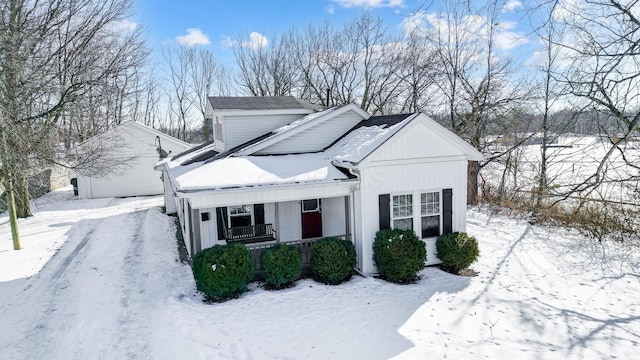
pixel 217 129
pixel 430 214
pixel 240 215
pixel 402 215
pixel 312 205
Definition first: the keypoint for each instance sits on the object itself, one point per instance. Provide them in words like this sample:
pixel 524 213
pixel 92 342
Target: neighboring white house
pixel 338 172
pixel 120 161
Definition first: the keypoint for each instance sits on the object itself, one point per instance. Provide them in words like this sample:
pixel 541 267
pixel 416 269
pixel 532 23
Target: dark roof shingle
pixel 260 103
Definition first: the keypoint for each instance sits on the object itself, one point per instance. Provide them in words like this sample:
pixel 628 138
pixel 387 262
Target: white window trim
pixel 413 209
pixel 229 215
pixel 416 199
pixel 317 209
pixel 420 215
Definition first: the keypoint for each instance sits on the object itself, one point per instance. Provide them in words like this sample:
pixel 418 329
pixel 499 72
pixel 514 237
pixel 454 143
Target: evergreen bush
pixel 332 260
pixel 281 265
pixel 457 250
pixel 398 255
pixel 222 271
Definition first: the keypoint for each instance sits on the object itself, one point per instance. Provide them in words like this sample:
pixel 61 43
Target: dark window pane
pixel 430 226
pixel 310 205
pixel 240 220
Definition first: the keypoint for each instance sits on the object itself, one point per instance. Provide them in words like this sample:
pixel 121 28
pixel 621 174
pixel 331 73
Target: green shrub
pixel 223 271
pixel 332 260
pixel 457 250
pixel 399 255
pixel 281 265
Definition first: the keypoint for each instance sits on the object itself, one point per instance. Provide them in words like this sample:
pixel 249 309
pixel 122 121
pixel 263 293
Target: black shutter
pixel 384 211
pixel 221 218
pixel 447 211
pixel 258 213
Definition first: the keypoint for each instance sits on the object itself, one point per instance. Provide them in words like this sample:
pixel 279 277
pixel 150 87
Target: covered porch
pixel 298 215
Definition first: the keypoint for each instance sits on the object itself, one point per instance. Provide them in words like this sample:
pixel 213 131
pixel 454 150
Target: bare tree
pixel 603 44
pixel 51 55
pixel 476 84
pixel 266 67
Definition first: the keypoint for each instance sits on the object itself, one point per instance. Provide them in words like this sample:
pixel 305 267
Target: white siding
pixel 418 142
pixel 240 129
pixel 412 178
pixel 413 161
pixel 333 216
pixel 134 147
pixel 270 213
pixel 83 187
pixel 289 221
pixel 317 137
pixel 169 198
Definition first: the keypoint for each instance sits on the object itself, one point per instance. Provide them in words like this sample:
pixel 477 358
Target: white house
pixel 120 161
pixel 337 172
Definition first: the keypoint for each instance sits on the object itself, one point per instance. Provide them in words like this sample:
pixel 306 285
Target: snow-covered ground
pixel 115 290
pixel 570 161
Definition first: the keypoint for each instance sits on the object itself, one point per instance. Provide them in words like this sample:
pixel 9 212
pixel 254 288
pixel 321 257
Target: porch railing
pixel 252 233
pixel 304 245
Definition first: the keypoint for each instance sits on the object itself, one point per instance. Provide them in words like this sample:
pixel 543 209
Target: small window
pixel 240 215
pixel 430 214
pixel 403 212
pixel 312 205
pixel 217 128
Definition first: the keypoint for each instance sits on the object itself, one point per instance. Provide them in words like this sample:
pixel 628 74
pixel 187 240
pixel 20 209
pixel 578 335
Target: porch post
pixel 347 218
pixel 277 221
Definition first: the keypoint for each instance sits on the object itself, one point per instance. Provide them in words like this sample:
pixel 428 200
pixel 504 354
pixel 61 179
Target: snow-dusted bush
pixel 332 260
pixel 281 265
pixel 222 271
pixel 399 255
pixel 457 250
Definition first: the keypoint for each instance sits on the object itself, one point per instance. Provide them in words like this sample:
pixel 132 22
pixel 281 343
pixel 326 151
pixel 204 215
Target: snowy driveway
pixel 98 296
pixel 115 290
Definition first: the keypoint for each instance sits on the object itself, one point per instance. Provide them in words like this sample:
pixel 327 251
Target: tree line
pixel 71 69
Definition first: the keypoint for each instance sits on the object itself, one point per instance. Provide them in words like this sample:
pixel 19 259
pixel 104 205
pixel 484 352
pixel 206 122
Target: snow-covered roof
pixel 368 136
pixel 247 171
pixel 205 169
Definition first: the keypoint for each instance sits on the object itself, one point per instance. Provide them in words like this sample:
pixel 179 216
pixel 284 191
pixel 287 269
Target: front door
pixel 311 219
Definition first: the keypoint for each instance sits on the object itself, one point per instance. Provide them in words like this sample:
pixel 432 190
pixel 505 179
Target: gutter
pixel 245 188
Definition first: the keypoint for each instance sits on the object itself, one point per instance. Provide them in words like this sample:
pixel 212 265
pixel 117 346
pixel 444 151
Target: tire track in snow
pixel 49 287
pixel 133 334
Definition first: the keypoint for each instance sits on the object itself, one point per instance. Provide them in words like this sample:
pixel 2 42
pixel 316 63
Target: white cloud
pixel 256 41
pixel 124 25
pixel 506 40
pixel 511 5
pixel 330 9
pixel 369 3
pixel 413 21
pixel 194 37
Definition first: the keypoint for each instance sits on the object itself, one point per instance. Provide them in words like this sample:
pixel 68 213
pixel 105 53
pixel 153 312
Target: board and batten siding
pixel 240 129
pixel 333 216
pixel 411 162
pixel 289 225
pixel 317 137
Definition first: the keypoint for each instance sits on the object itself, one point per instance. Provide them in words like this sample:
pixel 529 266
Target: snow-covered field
pixel 571 161
pixel 115 290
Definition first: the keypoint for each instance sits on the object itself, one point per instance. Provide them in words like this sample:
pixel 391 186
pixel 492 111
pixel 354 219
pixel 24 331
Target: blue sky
pixel 212 23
